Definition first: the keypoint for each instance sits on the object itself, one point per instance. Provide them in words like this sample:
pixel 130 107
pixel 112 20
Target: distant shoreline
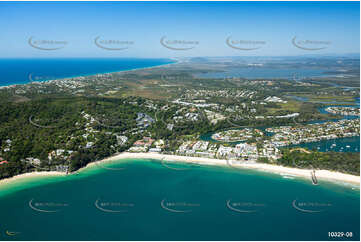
pixel 89 75
pixel 275 169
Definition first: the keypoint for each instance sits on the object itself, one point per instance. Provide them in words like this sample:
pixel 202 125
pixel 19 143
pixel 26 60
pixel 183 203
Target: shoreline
pixel 276 169
pixel 327 175
pixel 89 75
pixel 33 174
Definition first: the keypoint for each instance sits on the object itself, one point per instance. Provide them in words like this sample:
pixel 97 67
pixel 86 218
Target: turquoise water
pixel 21 71
pixel 194 205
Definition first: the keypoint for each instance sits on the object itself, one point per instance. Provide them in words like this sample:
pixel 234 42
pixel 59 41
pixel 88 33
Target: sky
pixel 177 29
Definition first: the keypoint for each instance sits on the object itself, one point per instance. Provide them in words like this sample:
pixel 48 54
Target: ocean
pixel 145 200
pixel 21 71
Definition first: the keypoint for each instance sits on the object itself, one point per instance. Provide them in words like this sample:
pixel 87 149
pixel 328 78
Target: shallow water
pixel 145 200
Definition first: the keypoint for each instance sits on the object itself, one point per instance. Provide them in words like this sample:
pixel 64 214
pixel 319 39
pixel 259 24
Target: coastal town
pixel 234 135
pixel 346 111
pixel 290 135
pixel 164 110
pixel 180 121
pixel 245 144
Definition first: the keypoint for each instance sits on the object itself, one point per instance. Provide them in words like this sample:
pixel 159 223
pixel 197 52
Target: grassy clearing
pixel 325 98
pixel 291 106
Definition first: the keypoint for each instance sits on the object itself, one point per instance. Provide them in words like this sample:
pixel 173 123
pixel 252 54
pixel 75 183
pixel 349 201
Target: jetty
pixel 313 177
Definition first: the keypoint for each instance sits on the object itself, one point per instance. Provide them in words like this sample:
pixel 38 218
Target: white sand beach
pixel 306 173
pixel 31 175
pixel 321 174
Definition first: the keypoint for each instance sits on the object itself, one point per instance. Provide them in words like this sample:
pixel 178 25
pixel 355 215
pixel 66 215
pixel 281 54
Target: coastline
pixel 305 173
pixel 327 175
pixel 34 174
pixel 93 74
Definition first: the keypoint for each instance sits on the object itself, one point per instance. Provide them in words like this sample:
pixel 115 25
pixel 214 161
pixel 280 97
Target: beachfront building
pixel 225 152
pixel 246 151
pixel 142 145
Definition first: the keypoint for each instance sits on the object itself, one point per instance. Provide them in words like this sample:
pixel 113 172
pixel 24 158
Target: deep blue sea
pixel 21 71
